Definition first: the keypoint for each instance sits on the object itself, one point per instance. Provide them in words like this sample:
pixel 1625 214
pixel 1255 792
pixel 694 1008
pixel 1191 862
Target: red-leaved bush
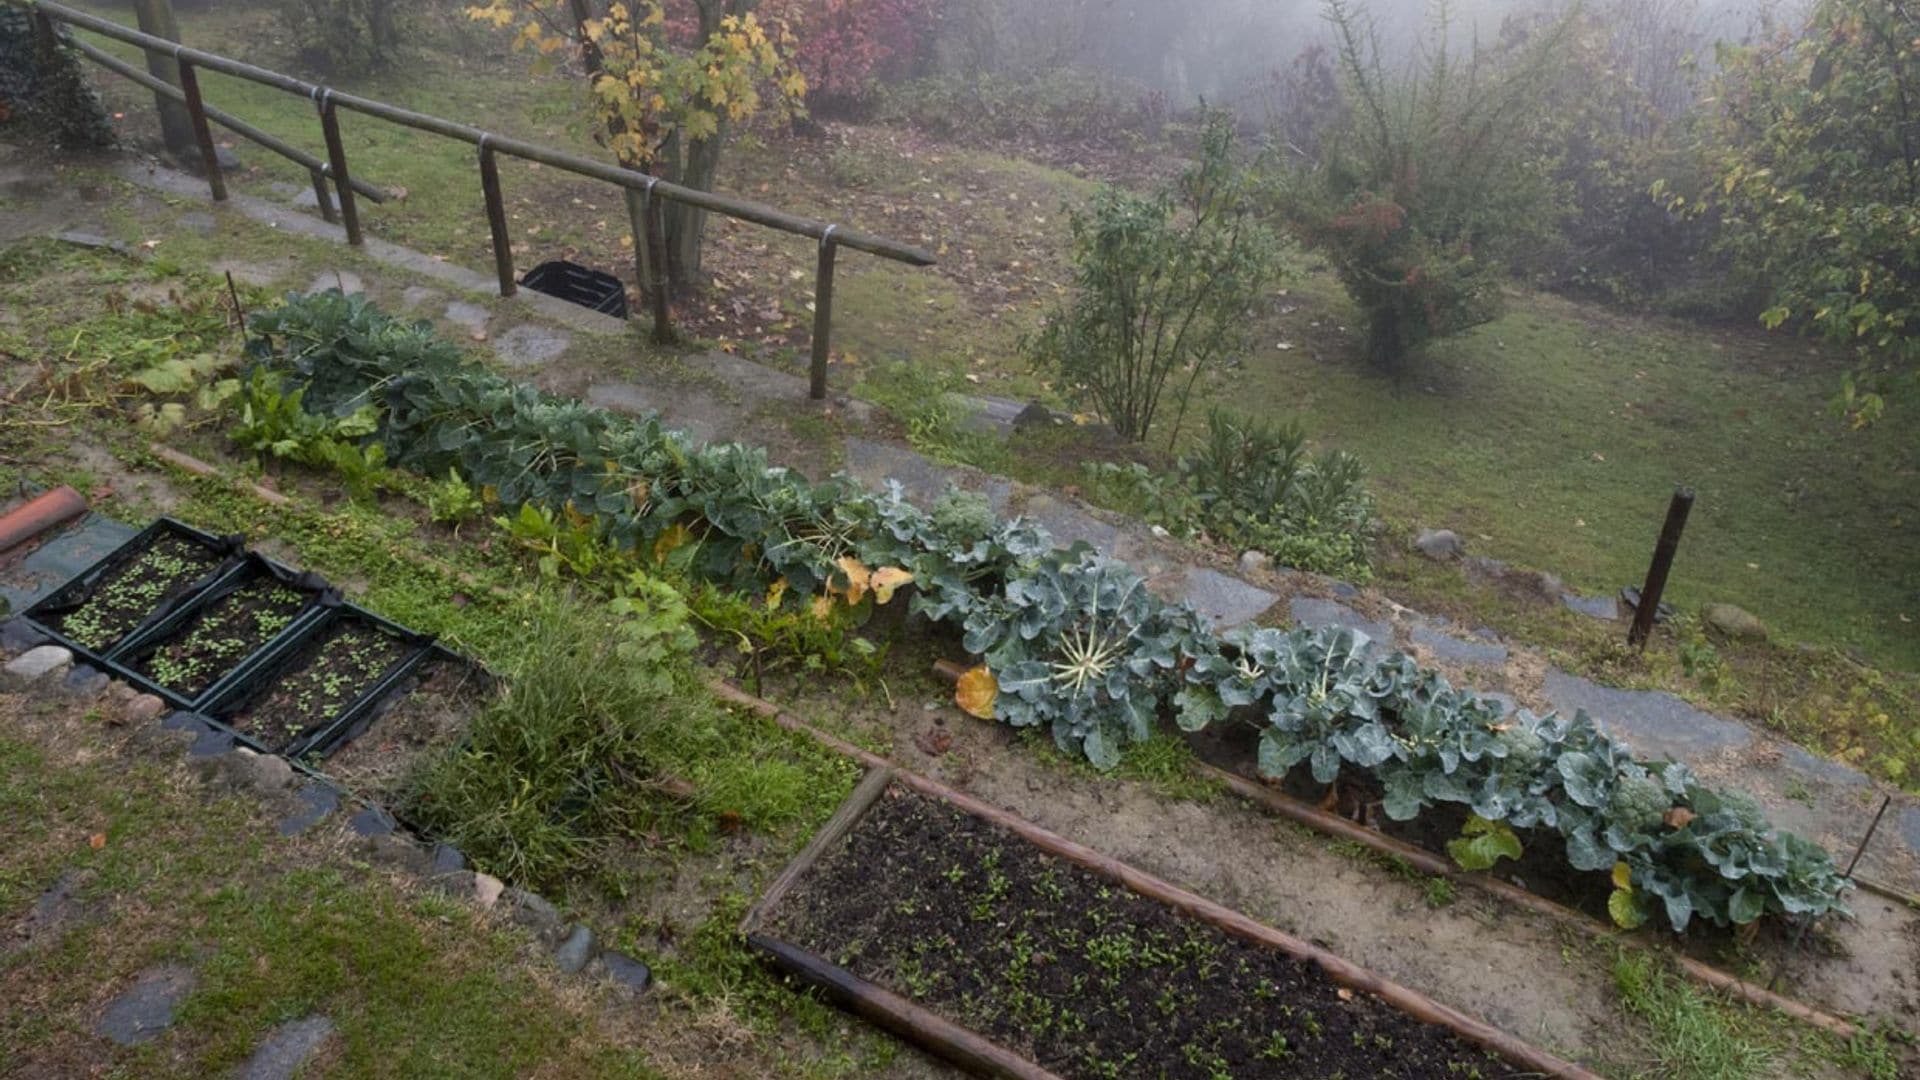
pixel 846 47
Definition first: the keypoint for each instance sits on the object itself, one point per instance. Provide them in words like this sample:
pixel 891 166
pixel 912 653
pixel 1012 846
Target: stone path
pixel 286 1049
pixel 144 1010
pixel 724 396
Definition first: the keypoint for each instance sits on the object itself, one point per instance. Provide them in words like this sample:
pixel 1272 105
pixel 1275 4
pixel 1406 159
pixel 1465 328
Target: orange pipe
pixel 38 514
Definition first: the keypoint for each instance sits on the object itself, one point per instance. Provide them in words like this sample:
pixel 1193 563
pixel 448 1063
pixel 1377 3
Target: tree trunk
pixel 176 127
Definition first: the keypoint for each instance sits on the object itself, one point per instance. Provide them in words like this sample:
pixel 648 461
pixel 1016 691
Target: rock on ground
pixel 1733 622
pixel 1441 545
pixel 145 1009
pixel 282 1054
pixel 38 662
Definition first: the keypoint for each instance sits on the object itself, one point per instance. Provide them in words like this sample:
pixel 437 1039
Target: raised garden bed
pixel 190 652
pixel 302 700
pixel 1024 962
pixel 133 585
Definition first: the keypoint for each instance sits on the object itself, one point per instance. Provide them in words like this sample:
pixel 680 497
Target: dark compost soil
pixel 134 588
pixel 325 677
pixel 213 640
pixel 1085 977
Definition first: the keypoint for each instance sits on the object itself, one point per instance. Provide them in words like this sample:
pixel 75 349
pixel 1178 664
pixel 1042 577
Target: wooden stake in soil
pixel 1649 605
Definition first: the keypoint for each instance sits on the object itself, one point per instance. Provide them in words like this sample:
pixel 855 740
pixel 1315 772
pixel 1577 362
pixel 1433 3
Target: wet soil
pixel 215 639
pixel 326 677
pixel 1087 978
pixel 134 588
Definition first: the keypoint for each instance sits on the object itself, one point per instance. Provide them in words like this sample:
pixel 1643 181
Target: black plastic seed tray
pixel 578 284
pixel 54 612
pixel 132 658
pixel 256 685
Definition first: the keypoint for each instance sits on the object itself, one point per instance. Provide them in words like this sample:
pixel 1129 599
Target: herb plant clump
pixel 1253 485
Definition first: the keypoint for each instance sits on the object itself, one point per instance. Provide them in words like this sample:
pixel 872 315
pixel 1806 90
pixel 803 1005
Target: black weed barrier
pixel 266 653
pixel 133 586
pixel 316 685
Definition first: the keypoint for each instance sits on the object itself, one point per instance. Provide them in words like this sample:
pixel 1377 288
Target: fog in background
pixel 1224 49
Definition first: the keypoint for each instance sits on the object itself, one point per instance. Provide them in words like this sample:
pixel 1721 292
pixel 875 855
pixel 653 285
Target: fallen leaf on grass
pixel 97 841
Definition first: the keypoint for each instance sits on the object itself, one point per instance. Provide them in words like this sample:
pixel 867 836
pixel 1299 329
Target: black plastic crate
pixel 256 686
pixel 135 653
pixel 581 285
pixel 53 612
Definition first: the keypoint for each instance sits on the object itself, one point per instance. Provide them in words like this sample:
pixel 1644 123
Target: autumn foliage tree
pixel 668 82
pixel 845 48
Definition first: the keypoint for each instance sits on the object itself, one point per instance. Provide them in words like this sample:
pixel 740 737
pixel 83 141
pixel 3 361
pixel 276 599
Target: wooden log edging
pixel 1342 971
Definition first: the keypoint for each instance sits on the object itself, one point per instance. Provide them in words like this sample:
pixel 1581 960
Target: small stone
pixel 145 1009
pixel 287 1049
pixel 448 859
pixel 85 682
pixel 398 850
pixel 1593 607
pixel 1440 545
pixel 18 635
pixel 264 772
pixel 314 802
pixel 1252 562
pixel 38 663
pixel 211 743
pixel 626 971
pixel 529 909
pixel 1160 532
pixel 1733 622
pixel 142 709
pixel 487 889
pixel 372 821
pixel 1035 415
pixel 575 951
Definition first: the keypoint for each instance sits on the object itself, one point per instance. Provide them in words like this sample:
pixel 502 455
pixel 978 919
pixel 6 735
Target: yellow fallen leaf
pixel 976 691
pixel 774 593
pixel 858 578
pixel 822 607
pixel 885 580
pixel 1622 876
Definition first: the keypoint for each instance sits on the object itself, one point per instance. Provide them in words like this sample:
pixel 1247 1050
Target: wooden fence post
pixel 822 317
pixel 1649 605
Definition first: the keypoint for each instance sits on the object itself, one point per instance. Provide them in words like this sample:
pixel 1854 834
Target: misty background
pixel 1226 50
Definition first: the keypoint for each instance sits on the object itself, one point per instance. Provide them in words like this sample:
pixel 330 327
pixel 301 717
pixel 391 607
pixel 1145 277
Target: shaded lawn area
pixel 275 930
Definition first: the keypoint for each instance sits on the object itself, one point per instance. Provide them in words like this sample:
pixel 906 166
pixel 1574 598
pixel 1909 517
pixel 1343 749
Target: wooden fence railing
pixel 649 241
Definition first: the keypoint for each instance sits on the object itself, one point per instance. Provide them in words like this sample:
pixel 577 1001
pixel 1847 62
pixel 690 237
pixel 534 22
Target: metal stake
pixel 822 317
pixel 497 219
pixel 1656 584
pixel 202 134
pixel 337 163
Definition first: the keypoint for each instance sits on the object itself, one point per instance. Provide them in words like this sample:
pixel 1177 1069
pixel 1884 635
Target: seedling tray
pixel 1015 952
pixel 337 668
pixel 253 580
pixel 136 605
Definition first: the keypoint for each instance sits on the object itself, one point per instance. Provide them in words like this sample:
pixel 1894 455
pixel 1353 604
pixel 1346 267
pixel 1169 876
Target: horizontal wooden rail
pixel 225 119
pixel 642 190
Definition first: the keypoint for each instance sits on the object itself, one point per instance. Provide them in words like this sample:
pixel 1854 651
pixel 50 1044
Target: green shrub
pixel 1252 485
pixel 48 95
pixel 1425 186
pixel 1162 287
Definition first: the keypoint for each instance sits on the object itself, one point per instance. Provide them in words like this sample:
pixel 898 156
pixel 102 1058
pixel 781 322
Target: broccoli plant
pixel 1080 645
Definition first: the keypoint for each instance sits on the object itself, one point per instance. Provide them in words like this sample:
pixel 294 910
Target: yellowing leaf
pixel 976 692
pixel 858 578
pixel 822 607
pixel 675 537
pixel 1622 876
pixel 775 592
pixel 886 580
